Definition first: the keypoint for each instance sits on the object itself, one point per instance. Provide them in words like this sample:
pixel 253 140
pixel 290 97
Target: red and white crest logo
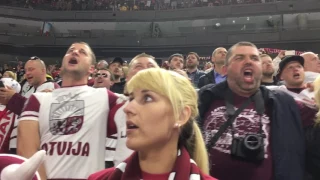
pixel 67 117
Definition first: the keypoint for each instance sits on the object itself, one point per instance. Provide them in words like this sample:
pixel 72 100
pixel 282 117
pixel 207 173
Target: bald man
pixel 36 77
pixel 311 66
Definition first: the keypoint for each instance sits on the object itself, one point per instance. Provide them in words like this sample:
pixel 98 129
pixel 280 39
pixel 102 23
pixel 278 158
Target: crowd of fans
pixel 124 5
pixel 243 116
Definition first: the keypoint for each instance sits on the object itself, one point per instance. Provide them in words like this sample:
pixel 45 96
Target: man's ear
pixel 281 77
pixel 224 70
pixel 92 69
pixel 213 60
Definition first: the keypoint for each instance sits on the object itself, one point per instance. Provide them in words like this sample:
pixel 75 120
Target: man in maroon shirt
pixel 277 122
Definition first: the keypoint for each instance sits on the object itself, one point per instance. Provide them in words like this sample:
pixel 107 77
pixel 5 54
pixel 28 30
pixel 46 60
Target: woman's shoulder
pixel 101 175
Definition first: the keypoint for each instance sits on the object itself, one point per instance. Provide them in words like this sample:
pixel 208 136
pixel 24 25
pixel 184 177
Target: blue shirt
pixel 218 77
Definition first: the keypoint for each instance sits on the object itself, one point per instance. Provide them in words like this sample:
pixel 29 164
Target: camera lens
pixel 252 142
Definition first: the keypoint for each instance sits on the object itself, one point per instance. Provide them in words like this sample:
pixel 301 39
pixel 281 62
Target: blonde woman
pixel 162 130
pixel 9 74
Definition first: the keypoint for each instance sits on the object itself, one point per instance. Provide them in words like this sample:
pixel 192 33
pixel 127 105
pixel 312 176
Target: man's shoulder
pixel 276 94
pixel 47 85
pixel 215 89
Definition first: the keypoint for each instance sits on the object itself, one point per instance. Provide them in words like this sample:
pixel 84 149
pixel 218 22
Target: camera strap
pixel 232 114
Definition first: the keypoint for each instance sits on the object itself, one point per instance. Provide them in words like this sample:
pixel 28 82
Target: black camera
pixel 249 148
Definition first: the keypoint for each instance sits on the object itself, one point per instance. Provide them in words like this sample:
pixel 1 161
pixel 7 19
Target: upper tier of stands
pixel 124 5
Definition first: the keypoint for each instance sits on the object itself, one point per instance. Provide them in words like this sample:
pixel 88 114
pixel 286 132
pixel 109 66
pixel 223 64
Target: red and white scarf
pixel 6 127
pixel 184 168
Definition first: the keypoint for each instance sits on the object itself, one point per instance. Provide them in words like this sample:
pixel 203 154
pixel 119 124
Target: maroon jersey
pixel 223 166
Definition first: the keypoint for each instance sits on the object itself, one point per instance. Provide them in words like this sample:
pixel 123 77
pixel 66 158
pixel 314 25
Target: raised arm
pixel 28 141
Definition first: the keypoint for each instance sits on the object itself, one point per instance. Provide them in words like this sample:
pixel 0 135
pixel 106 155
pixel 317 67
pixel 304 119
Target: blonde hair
pixel 11 74
pixel 181 94
pixel 316 84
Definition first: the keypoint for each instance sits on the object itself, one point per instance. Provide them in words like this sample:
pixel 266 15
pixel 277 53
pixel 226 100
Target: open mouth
pixel 73 61
pixel 248 75
pixel 29 78
pixel 296 75
pixel 130 125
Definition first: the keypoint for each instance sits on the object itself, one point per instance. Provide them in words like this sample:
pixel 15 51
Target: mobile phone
pixel 290 53
pixel 1 84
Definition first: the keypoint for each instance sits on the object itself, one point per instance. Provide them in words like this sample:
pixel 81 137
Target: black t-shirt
pixel 118 87
pixel 268 84
pixel 274 83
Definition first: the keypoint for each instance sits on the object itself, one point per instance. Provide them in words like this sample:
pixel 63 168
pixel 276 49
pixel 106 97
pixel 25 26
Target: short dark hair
pixel 175 55
pixel 195 54
pixel 230 50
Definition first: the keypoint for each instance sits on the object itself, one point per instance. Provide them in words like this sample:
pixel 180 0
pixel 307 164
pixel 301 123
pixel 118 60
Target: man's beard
pixel 268 74
pixel 191 66
pixel 116 76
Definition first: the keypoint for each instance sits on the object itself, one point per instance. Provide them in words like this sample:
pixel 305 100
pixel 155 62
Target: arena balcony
pixel 289 24
pixel 125 5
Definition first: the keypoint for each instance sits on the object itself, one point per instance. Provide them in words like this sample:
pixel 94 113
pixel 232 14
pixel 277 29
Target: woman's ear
pixel 184 116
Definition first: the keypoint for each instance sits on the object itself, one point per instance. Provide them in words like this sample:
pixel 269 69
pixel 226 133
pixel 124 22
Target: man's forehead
pixel 245 50
pixel 32 63
pixel 266 58
pixel 177 57
pixel 143 60
pixel 115 63
pixel 221 50
pixel 79 46
pixel 292 63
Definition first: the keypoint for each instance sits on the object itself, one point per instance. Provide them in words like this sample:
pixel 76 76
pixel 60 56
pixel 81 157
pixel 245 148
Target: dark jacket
pixel 312 134
pixel 206 79
pixel 287 135
pixel 275 82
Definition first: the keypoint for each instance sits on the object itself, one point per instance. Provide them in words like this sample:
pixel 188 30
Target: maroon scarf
pixel 184 168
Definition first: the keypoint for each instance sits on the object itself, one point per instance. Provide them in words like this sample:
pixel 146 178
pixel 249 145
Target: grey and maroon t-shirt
pixel 223 166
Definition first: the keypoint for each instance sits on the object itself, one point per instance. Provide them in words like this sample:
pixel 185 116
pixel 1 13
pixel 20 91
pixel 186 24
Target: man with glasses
pixel 103 79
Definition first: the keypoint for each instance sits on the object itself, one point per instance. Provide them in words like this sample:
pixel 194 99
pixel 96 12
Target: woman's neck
pixel 158 161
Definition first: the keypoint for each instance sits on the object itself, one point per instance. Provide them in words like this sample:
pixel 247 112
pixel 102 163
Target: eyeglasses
pixel 34 58
pixel 105 75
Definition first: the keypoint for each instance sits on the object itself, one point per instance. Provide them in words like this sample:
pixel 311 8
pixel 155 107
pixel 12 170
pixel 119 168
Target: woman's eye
pixel 147 98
